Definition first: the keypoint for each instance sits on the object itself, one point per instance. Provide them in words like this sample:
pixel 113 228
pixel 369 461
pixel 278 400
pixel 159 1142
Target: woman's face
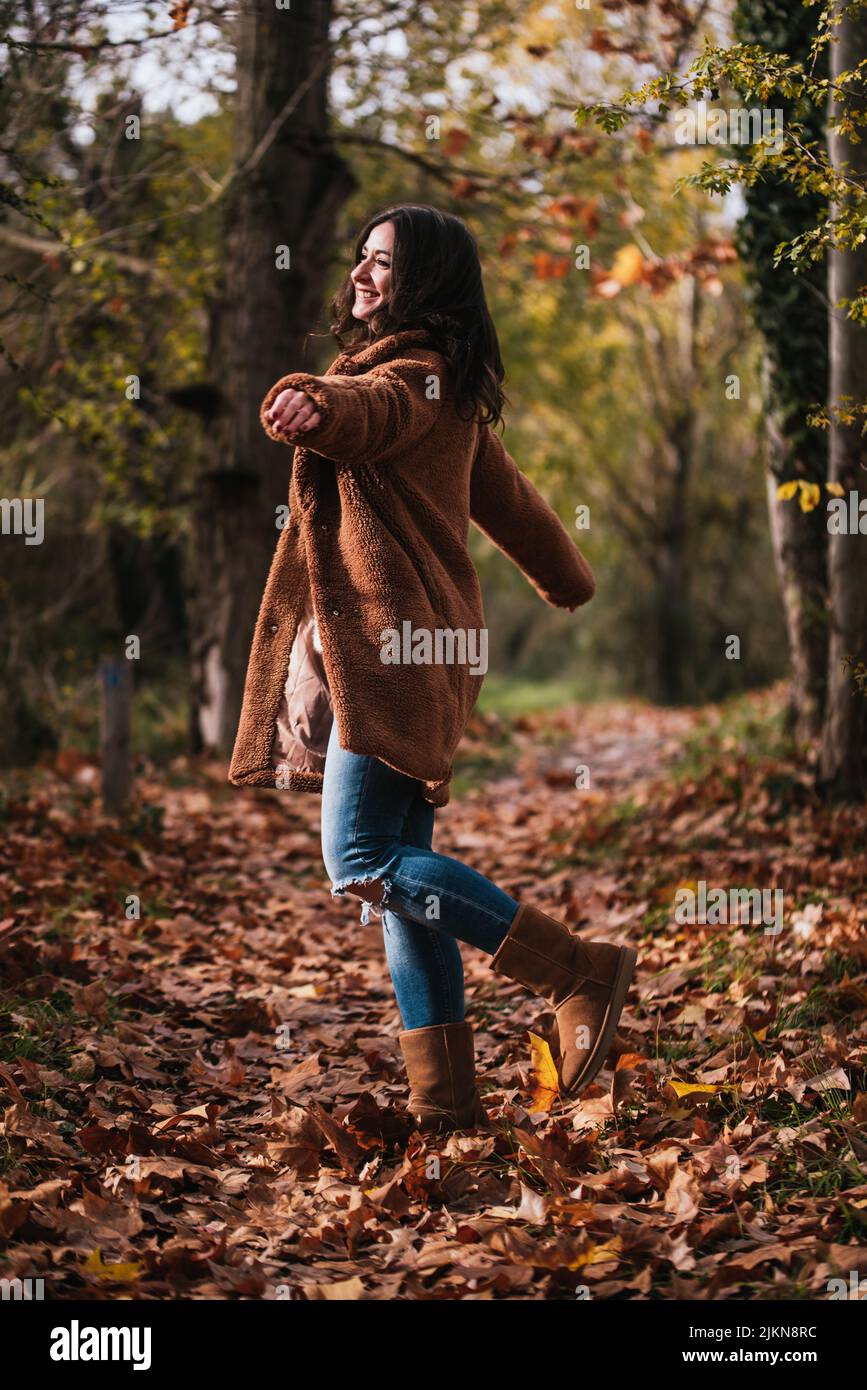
pixel 372 275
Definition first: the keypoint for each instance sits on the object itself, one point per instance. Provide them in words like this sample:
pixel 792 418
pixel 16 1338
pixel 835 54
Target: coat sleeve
pixel 508 509
pixel 363 418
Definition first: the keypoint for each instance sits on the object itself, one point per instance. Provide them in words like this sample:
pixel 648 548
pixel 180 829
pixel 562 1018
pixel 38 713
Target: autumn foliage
pixel 207 1100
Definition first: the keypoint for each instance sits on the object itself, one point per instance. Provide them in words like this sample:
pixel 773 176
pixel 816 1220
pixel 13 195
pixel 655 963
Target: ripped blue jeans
pixel 377 831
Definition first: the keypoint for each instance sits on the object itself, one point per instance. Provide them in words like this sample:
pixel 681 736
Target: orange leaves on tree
pixel 628 265
pixel 180 13
pixel 628 269
pixel 464 188
pixel 589 217
pixel 548 267
pixel 631 267
pixel 602 42
pixel 568 207
pixel 546 143
pixel 454 141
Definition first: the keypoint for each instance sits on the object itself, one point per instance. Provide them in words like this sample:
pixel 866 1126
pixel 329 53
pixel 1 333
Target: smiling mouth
pixel 366 294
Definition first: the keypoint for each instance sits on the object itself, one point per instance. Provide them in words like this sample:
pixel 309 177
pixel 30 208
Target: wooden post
pixel 115 733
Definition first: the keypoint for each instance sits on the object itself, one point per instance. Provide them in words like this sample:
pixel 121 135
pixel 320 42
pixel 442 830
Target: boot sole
pixel 596 1060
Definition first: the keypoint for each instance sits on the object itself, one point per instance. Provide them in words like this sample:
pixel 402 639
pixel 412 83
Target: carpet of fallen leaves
pixel 203 1092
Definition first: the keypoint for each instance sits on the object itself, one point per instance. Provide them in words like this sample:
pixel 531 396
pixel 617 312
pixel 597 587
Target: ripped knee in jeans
pixel 373 891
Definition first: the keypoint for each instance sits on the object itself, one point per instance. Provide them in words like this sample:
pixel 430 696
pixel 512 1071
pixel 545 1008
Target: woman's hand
pixel 293 412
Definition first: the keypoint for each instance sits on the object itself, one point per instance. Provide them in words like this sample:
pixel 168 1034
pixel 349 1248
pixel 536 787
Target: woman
pixel 360 682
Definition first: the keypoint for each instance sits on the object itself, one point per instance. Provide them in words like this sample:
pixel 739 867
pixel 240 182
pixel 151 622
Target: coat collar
pixel 304 464
pixel 383 350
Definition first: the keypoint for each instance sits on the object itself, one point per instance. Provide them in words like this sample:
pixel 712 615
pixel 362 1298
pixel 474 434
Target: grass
pixel 806 1174
pixel 510 696
pixel 62 914
pixel 818 1009
pixel 29 1028
pixel 471 772
pixel 741 726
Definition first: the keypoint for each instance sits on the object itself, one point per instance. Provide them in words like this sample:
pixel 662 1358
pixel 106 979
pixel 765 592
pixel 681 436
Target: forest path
pixel 205 1098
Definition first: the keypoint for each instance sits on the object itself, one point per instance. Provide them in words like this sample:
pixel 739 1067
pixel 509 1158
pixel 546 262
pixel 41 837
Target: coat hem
pixel 267 777
pixel 437 793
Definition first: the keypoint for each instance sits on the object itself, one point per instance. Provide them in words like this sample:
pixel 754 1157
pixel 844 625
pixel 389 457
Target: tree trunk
pixel 799 542
pixel 673 615
pixel 789 311
pixel 115 738
pixel 287 193
pixel 843 763
pixel 673 602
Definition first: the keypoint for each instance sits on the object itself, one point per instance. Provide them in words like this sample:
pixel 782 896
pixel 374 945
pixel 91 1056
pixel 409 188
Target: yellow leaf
pixel 114 1274
pixel 628 265
pixel 683 1088
pixel 599 1254
pixel 544 1083
pixel 810 495
pixel 836 489
pixel 786 491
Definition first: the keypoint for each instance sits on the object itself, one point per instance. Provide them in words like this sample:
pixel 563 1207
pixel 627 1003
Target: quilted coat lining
pixel 306 713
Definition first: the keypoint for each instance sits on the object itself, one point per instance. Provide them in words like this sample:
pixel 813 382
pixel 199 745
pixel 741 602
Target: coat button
pixel 323 525
pixel 273 627
pixel 335 612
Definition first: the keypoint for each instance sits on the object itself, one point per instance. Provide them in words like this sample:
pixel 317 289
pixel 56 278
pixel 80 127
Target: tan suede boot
pixel 441 1067
pixel 585 981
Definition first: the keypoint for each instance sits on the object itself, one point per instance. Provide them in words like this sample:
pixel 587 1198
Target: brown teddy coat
pixel 380 500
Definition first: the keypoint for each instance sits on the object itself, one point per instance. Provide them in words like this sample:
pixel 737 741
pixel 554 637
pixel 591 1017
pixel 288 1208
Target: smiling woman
pixel 294 412
pixel 372 275
pixel 399 455
pixel 419 266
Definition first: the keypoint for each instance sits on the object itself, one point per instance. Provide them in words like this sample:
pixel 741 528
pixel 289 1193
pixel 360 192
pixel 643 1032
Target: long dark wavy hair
pixel 436 284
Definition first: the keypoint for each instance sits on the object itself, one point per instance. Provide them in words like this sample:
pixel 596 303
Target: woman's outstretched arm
pixel 506 506
pixel 362 418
